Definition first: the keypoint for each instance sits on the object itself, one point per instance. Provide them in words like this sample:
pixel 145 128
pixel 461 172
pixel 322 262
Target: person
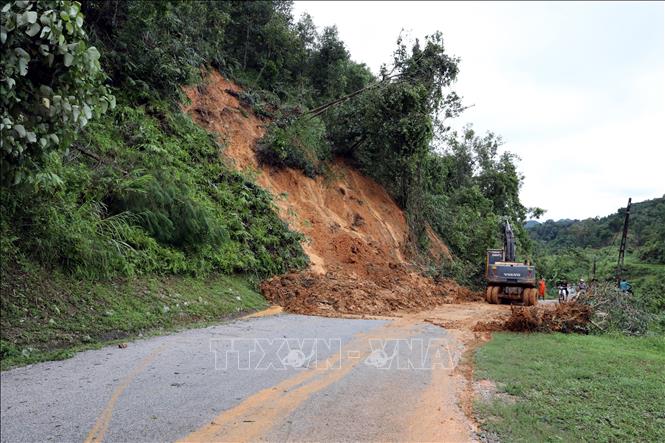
pixel 541 289
pixel 581 286
pixel 624 286
pixel 562 286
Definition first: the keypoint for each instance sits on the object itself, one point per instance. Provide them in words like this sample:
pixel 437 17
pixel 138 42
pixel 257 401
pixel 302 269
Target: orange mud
pixel 355 233
pixel 565 317
pixel 383 291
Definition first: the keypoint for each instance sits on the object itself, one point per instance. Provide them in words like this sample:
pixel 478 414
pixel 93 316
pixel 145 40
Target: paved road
pixel 282 377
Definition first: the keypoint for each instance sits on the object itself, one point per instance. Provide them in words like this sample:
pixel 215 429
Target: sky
pixel 575 89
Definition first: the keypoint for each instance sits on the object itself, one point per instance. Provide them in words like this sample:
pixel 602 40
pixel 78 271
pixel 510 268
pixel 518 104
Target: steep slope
pixel 355 232
pixel 348 219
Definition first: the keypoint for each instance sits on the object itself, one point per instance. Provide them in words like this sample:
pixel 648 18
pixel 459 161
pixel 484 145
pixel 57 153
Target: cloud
pixel 576 90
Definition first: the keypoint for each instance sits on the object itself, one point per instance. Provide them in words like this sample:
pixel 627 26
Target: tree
pixel 51 85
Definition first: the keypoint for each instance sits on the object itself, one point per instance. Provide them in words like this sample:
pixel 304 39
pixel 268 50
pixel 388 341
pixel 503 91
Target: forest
pixel 103 175
pixel 589 249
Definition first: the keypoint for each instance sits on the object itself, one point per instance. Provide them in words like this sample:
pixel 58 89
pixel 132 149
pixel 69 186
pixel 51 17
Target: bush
pixel 299 144
pixel 157 46
pixel 151 196
pixel 168 211
pixel 615 311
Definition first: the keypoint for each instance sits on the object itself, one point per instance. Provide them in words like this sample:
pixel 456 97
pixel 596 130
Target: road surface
pixel 281 377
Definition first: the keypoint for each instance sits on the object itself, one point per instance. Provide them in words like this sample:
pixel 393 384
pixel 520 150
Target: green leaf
pixel 22 66
pixel 6 7
pixel 3 37
pixel 68 59
pixel 20 130
pixel 30 16
pixel 20 52
pixel 93 53
pixel 33 29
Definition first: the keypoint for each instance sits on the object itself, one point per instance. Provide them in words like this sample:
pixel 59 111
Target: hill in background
pixel 589 248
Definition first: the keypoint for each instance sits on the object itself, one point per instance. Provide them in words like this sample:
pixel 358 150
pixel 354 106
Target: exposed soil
pixel 356 234
pixel 357 245
pixel 382 291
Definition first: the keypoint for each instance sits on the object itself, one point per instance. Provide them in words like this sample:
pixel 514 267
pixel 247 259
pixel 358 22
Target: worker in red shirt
pixel 541 289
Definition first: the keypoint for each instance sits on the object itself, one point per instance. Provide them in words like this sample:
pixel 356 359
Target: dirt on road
pixel 357 242
pixel 438 407
pixel 356 235
pixel 384 291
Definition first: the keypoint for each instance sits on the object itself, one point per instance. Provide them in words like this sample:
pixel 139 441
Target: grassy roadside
pixel 573 387
pixel 49 316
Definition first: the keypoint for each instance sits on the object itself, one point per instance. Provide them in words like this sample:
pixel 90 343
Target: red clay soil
pixel 565 317
pixel 356 234
pixel 384 291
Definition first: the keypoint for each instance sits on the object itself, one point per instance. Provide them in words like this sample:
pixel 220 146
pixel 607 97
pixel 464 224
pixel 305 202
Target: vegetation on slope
pixel 139 191
pixel 103 177
pixel 568 250
pixel 646 237
pixel 48 315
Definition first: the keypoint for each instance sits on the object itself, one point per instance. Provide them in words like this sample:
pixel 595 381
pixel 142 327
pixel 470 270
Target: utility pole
pixel 622 248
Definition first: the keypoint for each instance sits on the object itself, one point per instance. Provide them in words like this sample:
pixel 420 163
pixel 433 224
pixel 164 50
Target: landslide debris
pixel 356 234
pixel 382 291
pixel 563 317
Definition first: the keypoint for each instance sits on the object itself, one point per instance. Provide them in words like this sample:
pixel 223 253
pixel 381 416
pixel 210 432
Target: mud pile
pixel 356 235
pixel 565 317
pixel 381 292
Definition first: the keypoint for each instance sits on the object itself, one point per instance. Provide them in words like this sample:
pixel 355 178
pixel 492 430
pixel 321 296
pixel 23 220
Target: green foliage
pixel 142 189
pixel 50 314
pixel 158 46
pixel 51 87
pixel 300 144
pixel 459 184
pixel 168 211
pixel 567 250
pixel 616 311
pixel 575 401
pixel 646 231
pixel 166 205
pixel 461 271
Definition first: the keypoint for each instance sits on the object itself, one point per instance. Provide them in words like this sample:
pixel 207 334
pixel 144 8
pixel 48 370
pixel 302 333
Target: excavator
pixel 508 280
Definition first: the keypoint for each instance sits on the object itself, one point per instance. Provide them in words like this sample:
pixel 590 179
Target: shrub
pixel 615 311
pixel 299 144
pixel 51 86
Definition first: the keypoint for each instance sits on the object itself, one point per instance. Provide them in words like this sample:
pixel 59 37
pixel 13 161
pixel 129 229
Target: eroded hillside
pixel 356 235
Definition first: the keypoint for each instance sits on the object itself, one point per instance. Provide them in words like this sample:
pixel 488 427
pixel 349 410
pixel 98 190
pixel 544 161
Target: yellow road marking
pixel 258 413
pixel 102 424
pixel 272 310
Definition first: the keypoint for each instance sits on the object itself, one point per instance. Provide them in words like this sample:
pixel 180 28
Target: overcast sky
pixel 576 90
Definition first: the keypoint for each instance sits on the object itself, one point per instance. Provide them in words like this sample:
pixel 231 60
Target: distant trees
pixel 646 234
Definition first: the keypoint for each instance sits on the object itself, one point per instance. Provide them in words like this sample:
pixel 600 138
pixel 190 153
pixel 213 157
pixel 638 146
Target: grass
pixel 574 387
pixel 50 315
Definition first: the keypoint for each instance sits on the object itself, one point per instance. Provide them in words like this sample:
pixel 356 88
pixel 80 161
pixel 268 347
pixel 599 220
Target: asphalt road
pixel 282 377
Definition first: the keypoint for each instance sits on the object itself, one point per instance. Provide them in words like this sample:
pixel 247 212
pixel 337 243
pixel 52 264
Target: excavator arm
pixel 508 241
